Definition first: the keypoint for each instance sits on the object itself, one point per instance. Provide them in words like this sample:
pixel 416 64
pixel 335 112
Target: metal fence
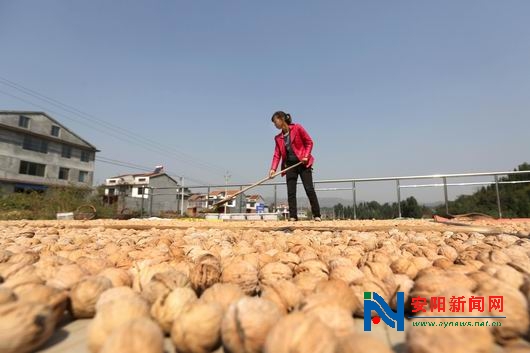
pixel 354 183
pixel 152 195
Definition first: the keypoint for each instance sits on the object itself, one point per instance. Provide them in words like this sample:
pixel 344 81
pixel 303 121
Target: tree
pixel 338 211
pixel 515 198
pixel 410 208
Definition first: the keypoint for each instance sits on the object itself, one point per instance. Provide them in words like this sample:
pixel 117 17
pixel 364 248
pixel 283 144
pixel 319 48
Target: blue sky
pixel 383 87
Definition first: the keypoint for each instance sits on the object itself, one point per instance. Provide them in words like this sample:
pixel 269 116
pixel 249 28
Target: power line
pixel 118 162
pixel 89 117
pixel 83 123
pixel 143 168
pixel 52 111
pixel 124 165
pixel 92 118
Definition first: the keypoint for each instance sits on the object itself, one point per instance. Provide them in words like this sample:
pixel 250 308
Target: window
pixel 112 181
pixel 83 176
pixel 35 144
pixel 85 156
pixel 111 191
pixel 140 180
pixel 55 130
pixel 63 173
pixel 30 168
pixel 23 121
pixel 141 191
pixel 66 152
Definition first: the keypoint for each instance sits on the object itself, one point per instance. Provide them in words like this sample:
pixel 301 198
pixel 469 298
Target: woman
pixel 293 145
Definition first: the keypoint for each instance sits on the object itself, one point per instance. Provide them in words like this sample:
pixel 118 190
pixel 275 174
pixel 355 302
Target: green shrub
pixel 46 205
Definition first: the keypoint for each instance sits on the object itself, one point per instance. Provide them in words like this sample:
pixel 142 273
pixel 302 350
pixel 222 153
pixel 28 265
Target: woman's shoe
pixel 292 220
pixel 317 219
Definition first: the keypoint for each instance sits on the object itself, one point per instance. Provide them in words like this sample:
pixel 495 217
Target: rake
pixel 231 197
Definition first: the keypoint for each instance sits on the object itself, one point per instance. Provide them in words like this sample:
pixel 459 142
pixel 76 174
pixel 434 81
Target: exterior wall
pixel 161 200
pixel 135 204
pixel 12 152
pixel 170 201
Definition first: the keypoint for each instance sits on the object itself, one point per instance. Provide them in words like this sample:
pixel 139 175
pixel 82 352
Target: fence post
pixel 142 207
pixel 182 196
pixel 445 196
pixel 498 196
pixel 275 198
pixel 398 189
pixel 354 200
pixel 151 197
pixel 207 198
pixel 241 200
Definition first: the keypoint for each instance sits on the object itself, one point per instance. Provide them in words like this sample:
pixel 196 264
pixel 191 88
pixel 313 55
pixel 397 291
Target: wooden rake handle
pixel 226 199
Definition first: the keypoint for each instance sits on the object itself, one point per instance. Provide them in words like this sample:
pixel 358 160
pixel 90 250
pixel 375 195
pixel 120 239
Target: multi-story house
pixel 36 152
pixel 152 193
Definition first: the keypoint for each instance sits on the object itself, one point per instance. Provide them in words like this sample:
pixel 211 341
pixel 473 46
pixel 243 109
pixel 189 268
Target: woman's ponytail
pixel 282 115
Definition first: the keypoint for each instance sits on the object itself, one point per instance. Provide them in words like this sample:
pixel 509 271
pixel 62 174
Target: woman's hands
pixel 272 171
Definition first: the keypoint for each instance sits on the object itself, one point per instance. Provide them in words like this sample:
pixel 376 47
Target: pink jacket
pixel 301 143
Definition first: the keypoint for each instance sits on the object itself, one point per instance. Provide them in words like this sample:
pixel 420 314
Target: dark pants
pixel 306 175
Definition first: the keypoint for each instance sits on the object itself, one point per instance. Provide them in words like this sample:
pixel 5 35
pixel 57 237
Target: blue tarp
pixel 31 187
